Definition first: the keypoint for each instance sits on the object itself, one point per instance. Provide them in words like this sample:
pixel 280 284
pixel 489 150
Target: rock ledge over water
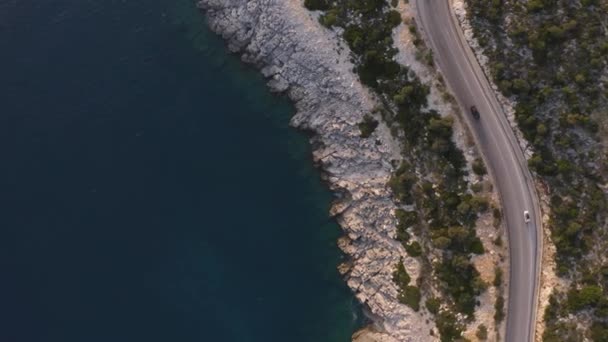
pixel 306 61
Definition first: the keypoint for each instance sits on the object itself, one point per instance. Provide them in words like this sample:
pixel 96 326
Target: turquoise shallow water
pixel 151 189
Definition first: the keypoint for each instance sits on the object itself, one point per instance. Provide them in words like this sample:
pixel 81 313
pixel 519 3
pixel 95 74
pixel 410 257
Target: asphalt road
pixel 501 152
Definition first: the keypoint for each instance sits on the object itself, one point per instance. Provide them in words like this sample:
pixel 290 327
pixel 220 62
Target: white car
pixel 526 216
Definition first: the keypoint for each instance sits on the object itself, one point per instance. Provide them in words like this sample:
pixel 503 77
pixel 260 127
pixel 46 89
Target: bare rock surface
pixel 304 60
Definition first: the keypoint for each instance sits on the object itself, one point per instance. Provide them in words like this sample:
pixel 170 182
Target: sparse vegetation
pixel 316 5
pixel 499 307
pixel 482 332
pixel 408 294
pixel 430 177
pixel 479 167
pixel 414 249
pixel 433 304
pixel 497 277
pixel 553 59
pixel 367 126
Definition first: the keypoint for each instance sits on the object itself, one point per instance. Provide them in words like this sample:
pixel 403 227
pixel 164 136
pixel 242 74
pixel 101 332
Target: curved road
pixel 501 152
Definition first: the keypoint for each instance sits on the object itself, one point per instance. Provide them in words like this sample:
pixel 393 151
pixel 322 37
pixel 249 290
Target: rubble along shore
pixel 307 62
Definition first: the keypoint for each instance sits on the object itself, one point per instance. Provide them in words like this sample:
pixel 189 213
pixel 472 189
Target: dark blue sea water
pixel 150 187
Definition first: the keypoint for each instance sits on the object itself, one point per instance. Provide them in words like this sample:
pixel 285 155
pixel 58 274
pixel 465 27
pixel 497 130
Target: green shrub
pixel 482 332
pixel 457 275
pixel 401 183
pixel 498 241
pixel 449 328
pixel 433 304
pixel 393 18
pixel 497 276
pixel 479 204
pixel 499 308
pixel 535 5
pixel 479 167
pixel 477 187
pixel 329 19
pixel 413 249
pixel 520 86
pixel 411 297
pixel 400 276
pixel 587 296
pixel 442 242
pixel 406 219
pixel 367 126
pixel 317 5
pixel 599 331
pixel 476 246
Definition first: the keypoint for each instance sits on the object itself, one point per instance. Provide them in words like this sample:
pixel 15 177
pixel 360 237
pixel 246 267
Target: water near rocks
pixel 150 187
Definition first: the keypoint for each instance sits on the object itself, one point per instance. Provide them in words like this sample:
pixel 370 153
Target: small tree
pixel 413 249
pixel 316 5
pixel 499 306
pixel 433 304
pixel 482 332
pixel 411 297
pixel 479 167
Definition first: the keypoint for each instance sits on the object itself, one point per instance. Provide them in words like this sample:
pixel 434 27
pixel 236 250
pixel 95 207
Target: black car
pixel 475 112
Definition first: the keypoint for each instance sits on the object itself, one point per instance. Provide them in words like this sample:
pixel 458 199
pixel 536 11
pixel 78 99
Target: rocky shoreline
pixel 307 62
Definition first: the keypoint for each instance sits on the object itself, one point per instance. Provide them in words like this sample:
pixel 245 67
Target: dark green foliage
pixel 520 86
pixel 563 332
pixel 498 241
pixel 406 218
pixel 401 183
pixel 440 140
pixel 479 167
pixel 433 304
pixel 366 7
pixel 410 296
pixel 400 276
pixel 393 18
pixel 476 246
pixel 457 273
pixel 329 19
pixel 413 249
pixel 496 214
pixel 448 327
pixel 315 5
pixel 570 52
pixel 482 332
pixel 599 332
pixel 497 277
pixel 560 331
pixel 477 187
pixel 499 308
pixel 367 126
pixel 588 296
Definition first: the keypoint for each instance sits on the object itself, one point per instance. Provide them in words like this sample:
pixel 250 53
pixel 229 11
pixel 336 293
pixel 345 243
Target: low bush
pixel 479 167
pixel 413 249
pixel 367 126
pixel 411 297
pixel 433 304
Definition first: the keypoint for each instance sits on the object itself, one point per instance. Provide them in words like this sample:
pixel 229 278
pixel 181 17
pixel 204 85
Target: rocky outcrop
pixel 304 60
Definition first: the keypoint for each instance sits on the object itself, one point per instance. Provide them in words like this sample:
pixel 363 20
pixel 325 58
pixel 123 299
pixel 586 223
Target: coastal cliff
pixel 308 63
